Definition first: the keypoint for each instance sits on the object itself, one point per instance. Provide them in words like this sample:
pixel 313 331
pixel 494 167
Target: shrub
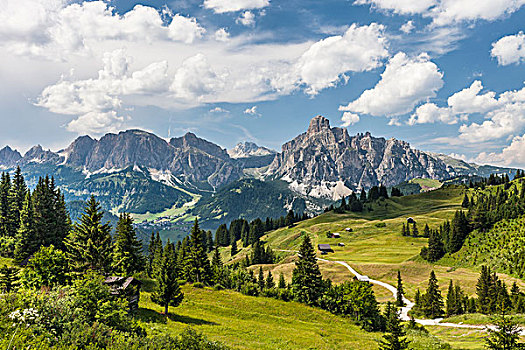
pixel 380 224
pixel 250 288
pixel 198 285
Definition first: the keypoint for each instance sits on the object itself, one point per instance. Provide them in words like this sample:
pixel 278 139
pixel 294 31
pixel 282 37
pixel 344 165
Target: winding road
pixel 409 304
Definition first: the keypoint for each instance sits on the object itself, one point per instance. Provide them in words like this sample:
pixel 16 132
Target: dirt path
pixel 409 305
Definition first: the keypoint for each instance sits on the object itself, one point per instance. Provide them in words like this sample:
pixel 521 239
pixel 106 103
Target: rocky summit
pixel 326 162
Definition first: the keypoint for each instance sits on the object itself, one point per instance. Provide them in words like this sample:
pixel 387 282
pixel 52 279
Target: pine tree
pixel 426 231
pixel 8 278
pixel 506 334
pixel 451 300
pixel 156 263
pixel 26 239
pixel 197 263
pixel 399 291
pixel 168 292
pixel 89 244
pixel 415 231
pixel 127 255
pixel 209 241
pixel 282 282
pixel 233 250
pixel 307 282
pixel 394 339
pixel 433 301
pixel 270 283
pixel 362 195
pixel 483 290
pixel 403 230
pixel 260 279
pixel 435 247
pixel 290 218
pixel 6 224
pixel 151 254
pixel 17 196
pixel 466 201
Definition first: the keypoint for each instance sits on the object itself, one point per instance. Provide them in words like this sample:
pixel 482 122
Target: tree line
pixel 356 203
pixel 481 211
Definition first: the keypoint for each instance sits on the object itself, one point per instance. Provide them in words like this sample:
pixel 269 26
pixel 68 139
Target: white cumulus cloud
pixel 247 18
pixel 404 83
pixel 222 35
pixel 509 49
pixel 349 118
pixel 431 113
pixel 408 27
pixel 454 11
pixel 512 155
pixel 399 6
pixel 222 6
pixel 252 111
pixel 360 48
pixel 449 12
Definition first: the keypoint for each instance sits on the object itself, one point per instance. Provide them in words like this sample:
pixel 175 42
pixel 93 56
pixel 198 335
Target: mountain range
pixel 139 172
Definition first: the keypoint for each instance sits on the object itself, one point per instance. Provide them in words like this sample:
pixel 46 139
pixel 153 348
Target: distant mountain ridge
pixel 139 172
pixel 188 158
pixel 249 149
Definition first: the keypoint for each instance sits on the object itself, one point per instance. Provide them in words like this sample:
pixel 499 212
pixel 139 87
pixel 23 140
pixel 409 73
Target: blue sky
pixel 445 75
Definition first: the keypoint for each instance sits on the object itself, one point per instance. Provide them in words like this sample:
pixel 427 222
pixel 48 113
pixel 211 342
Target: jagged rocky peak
pixel 37 154
pixel 249 149
pixel 326 162
pixel 318 124
pixel 190 140
pixel 9 157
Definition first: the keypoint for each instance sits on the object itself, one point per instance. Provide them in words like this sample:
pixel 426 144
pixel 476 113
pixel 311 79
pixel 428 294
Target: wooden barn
pixel 325 248
pixel 128 287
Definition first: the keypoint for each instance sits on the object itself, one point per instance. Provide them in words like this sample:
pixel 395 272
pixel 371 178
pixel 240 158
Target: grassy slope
pixel 380 251
pixel 244 322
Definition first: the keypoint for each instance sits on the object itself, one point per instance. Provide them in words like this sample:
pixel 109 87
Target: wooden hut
pixel 127 287
pixel 325 248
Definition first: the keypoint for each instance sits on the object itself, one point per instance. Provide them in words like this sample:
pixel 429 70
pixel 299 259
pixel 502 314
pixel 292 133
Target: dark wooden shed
pixel 325 248
pixel 128 287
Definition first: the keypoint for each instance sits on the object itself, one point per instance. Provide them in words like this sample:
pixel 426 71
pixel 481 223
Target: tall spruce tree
pixel 282 282
pixel 26 239
pixel 17 196
pixel 127 256
pixel 307 282
pixel 260 280
pixel 8 278
pixel 451 304
pixel 197 263
pixel 394 338
pixel 506 335
pixel 270 283
pixel 233 241
pixel 433 301
pixel 6 221
pixel 88 246
pixel 167 292
pixel 399 291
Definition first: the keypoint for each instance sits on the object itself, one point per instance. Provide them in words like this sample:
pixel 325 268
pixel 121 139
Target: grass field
pixel 245 322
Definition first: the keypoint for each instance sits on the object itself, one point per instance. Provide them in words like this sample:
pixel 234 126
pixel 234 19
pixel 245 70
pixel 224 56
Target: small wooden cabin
pixel 325 248
pixel 128 287
pixel 336 235
pixel 411 221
